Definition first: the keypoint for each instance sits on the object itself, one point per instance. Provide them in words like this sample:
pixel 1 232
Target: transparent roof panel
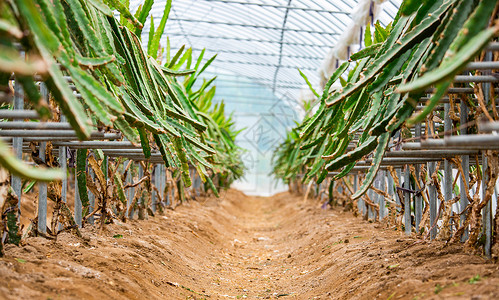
pixel 260 45
pixel 262 40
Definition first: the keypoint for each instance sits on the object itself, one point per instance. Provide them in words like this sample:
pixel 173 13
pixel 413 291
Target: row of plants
pixel 155 98
pixel 375 95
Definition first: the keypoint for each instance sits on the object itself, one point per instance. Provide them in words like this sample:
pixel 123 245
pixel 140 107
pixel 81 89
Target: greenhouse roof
pixel 263 40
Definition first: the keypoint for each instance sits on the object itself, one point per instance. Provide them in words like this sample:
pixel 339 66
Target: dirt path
pixel 245 247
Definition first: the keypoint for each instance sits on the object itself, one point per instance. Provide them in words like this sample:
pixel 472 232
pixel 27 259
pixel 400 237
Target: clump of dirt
pixel 245 247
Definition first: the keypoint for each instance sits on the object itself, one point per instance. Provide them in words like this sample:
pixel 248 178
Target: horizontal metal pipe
pixel 46 133
pixel 433 143
pixel 18 114
pixel 429 153
pixel 475 78
pixel 473 140
pixel 133 155
pixel 483 65
pixel 488 126
pixel 442 100
pixel 35 125
pixel 459 90
pixel 398 161
pixel 413 146
pixel 493 46
pixel 137 151
pixel 439 144
pixel 106 136
pixel 97 145
pixel 446 100
pixel 153 161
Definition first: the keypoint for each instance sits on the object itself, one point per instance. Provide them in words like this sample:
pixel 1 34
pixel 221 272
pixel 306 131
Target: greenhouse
pixel 262 149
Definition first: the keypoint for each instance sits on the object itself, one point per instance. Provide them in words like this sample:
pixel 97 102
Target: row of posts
pixel 416 199
pixel 159 179
pixel 412 199
pixel 448 179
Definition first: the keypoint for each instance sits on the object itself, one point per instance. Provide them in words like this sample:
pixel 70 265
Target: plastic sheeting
pixel 260 45
pixel 263 40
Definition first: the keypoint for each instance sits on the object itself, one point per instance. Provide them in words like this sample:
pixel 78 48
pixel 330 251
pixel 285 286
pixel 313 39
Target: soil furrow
pixel 245 247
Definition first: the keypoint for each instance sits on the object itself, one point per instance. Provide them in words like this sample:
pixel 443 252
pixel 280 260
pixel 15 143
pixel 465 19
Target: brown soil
pixel 245 247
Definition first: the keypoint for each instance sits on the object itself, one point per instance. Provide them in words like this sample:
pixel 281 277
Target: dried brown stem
pixel 129 185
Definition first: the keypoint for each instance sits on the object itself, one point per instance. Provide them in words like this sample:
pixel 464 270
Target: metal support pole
pixel 42 196
pixel 91 199
pixel 141 171
pixel 78 207
pixel 407 201
pixel 389 185
pixel 381 198
pixel 331 195
pixel 418 200
pixel 397 198
pixel 370 211
pixel 131 212
pixel 17 142
pixel 360 202
pixel 195 185
pixel 172 197
pixel 487 210
pixel 129 192
pixel 375 197
pixel 162 181
pixel 63 163
pixel 168 194
pixel 465 164
pixel 154 198
pixel 384 187
pixel 448 179
pixel 141 174
pixel 432 190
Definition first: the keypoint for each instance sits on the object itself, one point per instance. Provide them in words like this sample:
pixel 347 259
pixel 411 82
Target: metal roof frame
pixel 262 40
pixel 253 26
pixel 247 40
pixel 259 53
pixel 280 6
